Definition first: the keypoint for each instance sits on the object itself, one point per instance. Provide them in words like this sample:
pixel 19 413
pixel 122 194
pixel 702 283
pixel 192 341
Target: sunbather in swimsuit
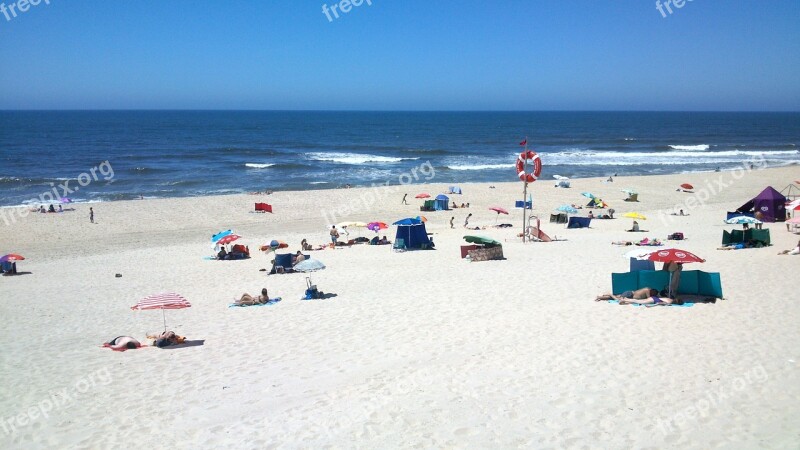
pixel 122 343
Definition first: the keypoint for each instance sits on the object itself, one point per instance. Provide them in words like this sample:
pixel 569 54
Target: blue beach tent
pixel 442 203
pixel 413 234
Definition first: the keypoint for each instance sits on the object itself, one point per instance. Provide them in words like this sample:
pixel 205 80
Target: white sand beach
pixel 420 349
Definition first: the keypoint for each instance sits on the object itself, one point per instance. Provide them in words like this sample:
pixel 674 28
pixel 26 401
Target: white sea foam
pixel 691 148
pixel 482 166
pixel 258 166
pixel 354 158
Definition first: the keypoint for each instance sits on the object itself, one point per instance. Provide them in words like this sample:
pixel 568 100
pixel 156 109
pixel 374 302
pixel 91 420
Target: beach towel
pixel 271 301
pixel 106 345
pixel 684 305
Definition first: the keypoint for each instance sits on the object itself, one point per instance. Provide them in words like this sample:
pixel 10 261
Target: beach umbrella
pixel 687 186
pixel 11 257
pixel 220 235
pixel 793 206
pixel 408 221
pixel 167 300
pixel 642 253
pixel 482 240
pixel 274 245
pixel 225 240
pixel 421 218
pixel 634 215
pixel 674 255
pixel 567 209
pixel 794 220
pixel 499 211
pixel 423 195
pixel 309 265
pixel 376 226
pixel 741 220
pixel 560 178
pixel 587 194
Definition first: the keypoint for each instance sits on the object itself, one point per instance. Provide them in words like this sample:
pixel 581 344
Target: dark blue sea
pixel 187 153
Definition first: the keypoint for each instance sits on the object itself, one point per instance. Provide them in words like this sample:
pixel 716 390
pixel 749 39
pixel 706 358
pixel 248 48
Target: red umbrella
pixel 687 186
pixel 12 257
pixel 423 195
pixel 674 255
pixel 228 239
pixel 162 301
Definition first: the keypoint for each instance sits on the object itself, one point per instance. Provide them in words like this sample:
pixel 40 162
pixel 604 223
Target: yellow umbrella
pixel 634 215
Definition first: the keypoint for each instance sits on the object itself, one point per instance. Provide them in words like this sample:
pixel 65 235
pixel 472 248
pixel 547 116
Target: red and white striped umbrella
pixel 167 300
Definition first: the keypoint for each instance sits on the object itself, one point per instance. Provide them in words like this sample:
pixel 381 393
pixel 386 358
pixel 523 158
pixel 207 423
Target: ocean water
pixel 114 155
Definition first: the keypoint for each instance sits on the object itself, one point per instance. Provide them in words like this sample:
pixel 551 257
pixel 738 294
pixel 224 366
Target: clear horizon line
pixel 401 110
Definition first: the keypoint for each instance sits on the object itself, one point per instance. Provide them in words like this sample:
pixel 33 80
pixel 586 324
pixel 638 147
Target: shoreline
pixel 417 348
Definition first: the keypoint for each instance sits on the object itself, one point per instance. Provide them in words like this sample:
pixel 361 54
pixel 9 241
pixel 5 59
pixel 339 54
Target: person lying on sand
pixel 651 301
pixel 621 243
pixel 166 339
pixel 122 343
pixel 249 300
pixel 639 294
pixel 794 251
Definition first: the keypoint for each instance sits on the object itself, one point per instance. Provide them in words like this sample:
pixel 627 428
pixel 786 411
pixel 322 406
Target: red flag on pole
pixel 525 142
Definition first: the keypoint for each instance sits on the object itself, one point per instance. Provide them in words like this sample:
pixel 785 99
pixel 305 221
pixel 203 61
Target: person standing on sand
pixel 466 221
pixel 334 235
pixel 91 215
pixel 404 199
pixel 451 222
pixel 759 216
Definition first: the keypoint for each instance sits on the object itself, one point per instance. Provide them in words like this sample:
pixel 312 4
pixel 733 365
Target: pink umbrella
pixel 794 220
pixel 162 301
pixel 423 195
pixel 228 239
pixel 499 211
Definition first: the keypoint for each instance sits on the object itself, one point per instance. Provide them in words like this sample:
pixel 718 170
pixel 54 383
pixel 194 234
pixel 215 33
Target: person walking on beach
pixel 451 222
pixel 404 199
pixel 466 221
pixel 334 235
pixel 91 215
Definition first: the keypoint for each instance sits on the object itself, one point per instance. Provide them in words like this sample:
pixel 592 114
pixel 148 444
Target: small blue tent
pixel 454 190
pixel 442 203
pixel 413 234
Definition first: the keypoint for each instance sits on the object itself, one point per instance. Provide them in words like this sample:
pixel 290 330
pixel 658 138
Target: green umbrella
pixel 481 240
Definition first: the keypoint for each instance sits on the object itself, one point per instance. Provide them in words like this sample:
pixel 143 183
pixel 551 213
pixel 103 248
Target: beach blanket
pixel 271 301
pixel 684 305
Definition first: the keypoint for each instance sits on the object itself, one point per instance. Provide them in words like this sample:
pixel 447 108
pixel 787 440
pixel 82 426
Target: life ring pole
pixel 525 193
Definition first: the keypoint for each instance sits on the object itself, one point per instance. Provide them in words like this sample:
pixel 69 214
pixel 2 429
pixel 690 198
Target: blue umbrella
pixel 739 220
pixel 309 265
pixel 567 209
pixel 220 235
pixel 408 221
pixel 587 194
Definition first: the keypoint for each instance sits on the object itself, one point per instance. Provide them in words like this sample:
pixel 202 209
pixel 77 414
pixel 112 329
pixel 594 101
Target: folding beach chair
pixel 399 245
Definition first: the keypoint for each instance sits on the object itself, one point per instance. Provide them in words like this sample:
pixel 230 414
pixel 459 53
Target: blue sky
pixel 402 55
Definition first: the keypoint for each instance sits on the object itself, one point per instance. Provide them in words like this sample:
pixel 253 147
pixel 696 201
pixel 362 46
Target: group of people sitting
pixel 51 209
pixel 609 215
pixel 237 252
pixel 381 241
pixel 463 205
pixel 165 339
